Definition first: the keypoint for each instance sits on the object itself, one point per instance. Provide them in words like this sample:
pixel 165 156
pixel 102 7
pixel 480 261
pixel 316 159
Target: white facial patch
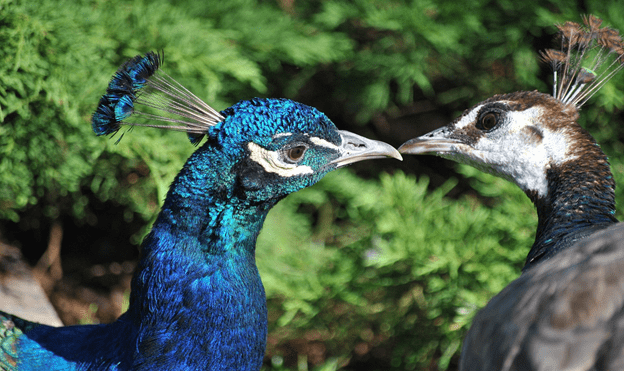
pixel 271 162
pixel 521 150
pixel 471 117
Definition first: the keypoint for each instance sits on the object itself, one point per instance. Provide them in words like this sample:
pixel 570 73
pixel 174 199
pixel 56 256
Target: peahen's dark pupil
pixel 488 121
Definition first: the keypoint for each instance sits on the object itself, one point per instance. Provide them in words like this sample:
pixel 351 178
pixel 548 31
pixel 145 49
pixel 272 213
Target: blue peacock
pixel 197 301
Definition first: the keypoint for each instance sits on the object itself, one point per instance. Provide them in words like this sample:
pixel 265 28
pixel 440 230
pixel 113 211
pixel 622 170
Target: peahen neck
pixel 197 277
pixel 580 201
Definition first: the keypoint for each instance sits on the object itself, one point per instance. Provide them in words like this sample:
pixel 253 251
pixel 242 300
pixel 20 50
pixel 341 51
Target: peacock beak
pixel 435 142
pixel 356 148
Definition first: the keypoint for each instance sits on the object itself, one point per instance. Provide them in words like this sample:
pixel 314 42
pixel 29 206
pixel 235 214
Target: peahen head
pixel 534 140
pixel 528 137
pixel 519 137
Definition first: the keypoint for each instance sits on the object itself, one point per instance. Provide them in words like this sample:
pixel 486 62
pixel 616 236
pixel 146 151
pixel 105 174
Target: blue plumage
pixel 139 68
pixel 118 103
pixel 197 301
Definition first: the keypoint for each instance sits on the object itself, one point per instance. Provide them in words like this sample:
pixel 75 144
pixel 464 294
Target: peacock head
pixel 280 146
pixel 264 148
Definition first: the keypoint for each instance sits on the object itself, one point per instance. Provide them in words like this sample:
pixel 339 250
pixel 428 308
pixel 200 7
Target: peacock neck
pixel 580 200
pixel 197 277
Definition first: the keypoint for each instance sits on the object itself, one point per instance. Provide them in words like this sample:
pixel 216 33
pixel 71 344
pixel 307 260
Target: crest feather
pixel 589 57
pixel 138 84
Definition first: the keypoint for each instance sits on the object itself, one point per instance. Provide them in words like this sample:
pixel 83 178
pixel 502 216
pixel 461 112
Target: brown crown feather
pixel 589 57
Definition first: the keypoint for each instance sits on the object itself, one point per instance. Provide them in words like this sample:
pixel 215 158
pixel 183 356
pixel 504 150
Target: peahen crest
pixel 589 57
pixel 140 84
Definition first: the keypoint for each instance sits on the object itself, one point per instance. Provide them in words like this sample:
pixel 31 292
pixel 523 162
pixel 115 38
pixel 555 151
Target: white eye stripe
pixel 279 135
pixel 469 118
pixel 271 162
pixel 316 140
pixel 323 143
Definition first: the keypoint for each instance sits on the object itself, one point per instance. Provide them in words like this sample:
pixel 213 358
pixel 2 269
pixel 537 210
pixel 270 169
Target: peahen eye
pixel 295 154
pixel 487 121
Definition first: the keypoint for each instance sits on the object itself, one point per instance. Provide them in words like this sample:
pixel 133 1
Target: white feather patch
pixel 323 143
pixel 279 135
pixel 469 119
pixel 271 162
pixel 511 153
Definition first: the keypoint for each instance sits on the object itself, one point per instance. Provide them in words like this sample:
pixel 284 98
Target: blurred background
pixel 380 266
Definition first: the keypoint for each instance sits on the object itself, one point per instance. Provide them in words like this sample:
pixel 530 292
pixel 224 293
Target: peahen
pixel 566 310
pixel 197 301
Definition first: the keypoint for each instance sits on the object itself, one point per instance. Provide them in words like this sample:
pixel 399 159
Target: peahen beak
pixel 356 148
pixel 435 142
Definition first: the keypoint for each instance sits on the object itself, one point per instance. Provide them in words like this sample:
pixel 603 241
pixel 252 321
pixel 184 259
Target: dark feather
pixel 566 311
pixel 566 314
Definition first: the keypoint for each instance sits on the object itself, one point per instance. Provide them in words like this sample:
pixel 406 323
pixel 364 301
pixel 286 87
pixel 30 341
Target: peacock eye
pixel 487 121
pixel 295 154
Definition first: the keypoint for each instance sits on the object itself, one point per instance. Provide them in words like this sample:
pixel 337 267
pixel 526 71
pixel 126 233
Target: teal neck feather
pixel 198 271
pixel 197 301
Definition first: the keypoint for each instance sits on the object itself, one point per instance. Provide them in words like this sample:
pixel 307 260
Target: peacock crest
pixel 590 56
pixel 140 84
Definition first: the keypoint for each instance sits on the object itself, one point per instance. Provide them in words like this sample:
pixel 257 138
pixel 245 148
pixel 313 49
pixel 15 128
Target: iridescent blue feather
pixel 197 301
pixel 139 69
pixel 140 84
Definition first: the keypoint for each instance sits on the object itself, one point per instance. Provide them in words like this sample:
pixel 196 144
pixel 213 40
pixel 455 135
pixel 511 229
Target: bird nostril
pixel 356 145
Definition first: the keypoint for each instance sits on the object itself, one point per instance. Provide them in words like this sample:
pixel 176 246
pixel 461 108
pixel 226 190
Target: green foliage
pixel 372 56
pixel 385 264
pixel 57 57
pixel 40 149
pixel 390 264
